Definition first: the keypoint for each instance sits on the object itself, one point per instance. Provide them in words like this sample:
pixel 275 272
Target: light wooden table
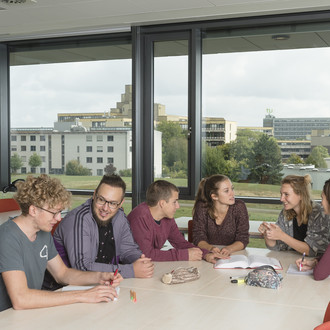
pixel 210 302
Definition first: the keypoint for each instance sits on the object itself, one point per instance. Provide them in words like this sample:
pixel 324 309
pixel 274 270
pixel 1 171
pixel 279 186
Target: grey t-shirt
pixel 17 252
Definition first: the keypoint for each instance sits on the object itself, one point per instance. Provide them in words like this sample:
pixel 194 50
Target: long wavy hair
pixel 206 188
pixel 301 186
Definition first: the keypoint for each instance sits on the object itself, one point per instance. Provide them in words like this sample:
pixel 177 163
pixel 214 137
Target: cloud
pixel 46 90
pixel 236 86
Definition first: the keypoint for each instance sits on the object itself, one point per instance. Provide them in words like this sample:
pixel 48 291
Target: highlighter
pixel 238 280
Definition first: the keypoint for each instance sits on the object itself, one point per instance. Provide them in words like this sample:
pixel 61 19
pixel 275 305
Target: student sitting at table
pixel 27 249
pixel 322 266
pixel 219 219
pixel 96 235
pixel 301 225
pixel 152 223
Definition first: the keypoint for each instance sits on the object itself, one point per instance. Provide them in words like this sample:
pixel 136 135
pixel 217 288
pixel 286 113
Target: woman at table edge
pixel 219 219
pixel 321 267
pixel 301 225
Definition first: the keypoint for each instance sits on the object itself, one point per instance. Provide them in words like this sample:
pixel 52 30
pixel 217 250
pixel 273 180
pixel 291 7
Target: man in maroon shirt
pixel 152 223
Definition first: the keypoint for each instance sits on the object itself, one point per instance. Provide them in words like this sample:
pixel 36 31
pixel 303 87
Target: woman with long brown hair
pixel 218 218
pixel 301 225
pixel 322 266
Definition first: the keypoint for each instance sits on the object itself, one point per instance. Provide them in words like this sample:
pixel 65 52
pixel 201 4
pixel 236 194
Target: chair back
pixel 326 320
pixel 8 204
pixel 190 231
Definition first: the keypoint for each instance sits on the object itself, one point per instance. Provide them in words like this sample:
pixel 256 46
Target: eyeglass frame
pixel 111 204
pixel 53 213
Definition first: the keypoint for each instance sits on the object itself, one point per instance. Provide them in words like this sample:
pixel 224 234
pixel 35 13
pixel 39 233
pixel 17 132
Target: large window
pixel 266 106
pixel 71 94
pixel 171 111
pixel 244 97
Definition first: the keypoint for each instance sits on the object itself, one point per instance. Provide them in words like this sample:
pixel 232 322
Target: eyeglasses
pixel 101 201
pixel 55 214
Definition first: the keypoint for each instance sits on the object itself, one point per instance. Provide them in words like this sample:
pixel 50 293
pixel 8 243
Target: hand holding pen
pixel 106 278
pixel 306 264
pixel 301 263
pixel 117 278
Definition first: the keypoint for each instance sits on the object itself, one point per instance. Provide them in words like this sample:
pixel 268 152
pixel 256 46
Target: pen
pixel 114 275
pixel 302 260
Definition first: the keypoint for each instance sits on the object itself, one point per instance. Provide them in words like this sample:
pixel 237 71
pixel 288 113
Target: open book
pixel 253 261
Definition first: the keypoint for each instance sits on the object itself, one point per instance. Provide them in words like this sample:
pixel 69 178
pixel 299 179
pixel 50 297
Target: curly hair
pixel 301 186
pixel 39 191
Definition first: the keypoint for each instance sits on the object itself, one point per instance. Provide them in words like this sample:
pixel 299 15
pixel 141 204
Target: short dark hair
pixel 113 181
pixel 160 190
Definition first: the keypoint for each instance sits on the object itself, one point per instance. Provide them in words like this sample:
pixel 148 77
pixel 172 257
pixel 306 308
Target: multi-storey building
pixel 215 131
pixel 321 138
pixel 266 130
pixel 94 149
pixel 27 141
pixel 301 148
pixel 295 128
pixel 218 131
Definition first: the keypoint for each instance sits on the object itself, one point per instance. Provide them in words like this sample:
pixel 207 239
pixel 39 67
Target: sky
pixel 237 86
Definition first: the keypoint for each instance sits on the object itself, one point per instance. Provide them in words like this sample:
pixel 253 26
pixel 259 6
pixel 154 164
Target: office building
pixel 321 138
pixel 295 128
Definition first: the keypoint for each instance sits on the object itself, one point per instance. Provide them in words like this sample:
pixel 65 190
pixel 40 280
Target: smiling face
pixel 225 194
pixel 169 207
pixel 289 198
pixel 103 213
pixel 46 218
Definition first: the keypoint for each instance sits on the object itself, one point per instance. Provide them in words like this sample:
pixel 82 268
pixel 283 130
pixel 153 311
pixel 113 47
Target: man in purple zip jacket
pixel 152 223
pixel 96 236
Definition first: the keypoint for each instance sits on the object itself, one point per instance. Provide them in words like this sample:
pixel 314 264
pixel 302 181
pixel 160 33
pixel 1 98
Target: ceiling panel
pixel 51 17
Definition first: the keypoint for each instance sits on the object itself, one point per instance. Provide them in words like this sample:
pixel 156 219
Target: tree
pixel 73 167
pixel 266 163
pixel 35 161
pixel 241 149
pixel 174 148
pixel 169 130
pixel 214 162
pixel 175 152
pixel 126 172
pixel 15 163
pixel 317 156
pixel 294 159
pixel 110 169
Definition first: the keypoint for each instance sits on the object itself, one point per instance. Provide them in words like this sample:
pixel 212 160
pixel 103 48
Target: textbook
pixel 241 261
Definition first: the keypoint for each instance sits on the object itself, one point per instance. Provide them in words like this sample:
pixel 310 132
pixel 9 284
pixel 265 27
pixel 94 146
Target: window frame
pixel 141 38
